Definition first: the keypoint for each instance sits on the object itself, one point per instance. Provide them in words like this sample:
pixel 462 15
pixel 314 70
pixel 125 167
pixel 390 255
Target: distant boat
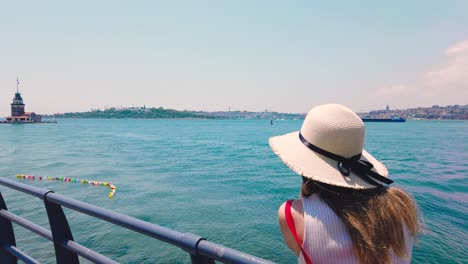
pixel 397 119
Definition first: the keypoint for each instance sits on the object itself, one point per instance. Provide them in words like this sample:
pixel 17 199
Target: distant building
pixel 18 115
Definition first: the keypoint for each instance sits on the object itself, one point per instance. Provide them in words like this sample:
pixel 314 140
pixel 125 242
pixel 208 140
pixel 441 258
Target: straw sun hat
pixel 329 149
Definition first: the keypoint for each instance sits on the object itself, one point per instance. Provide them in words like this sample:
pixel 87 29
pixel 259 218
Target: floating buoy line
pixel 71 180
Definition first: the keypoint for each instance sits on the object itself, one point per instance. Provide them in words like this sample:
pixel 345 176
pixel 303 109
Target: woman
pixel 346 213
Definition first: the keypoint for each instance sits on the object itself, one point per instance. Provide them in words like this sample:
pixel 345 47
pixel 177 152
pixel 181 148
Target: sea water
pixel 220 180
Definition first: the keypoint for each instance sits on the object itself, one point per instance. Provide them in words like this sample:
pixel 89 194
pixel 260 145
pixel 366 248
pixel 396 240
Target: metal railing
pixel 67 251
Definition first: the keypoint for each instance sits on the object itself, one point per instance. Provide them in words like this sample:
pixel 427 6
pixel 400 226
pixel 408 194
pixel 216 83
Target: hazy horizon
pixel 246 55
pixel 104 108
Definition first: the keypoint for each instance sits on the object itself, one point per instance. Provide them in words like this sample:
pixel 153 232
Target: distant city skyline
pixel 244 55
pixel 123 107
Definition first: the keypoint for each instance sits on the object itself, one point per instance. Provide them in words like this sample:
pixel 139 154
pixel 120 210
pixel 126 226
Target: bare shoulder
pixel 296 209
pixel 296 212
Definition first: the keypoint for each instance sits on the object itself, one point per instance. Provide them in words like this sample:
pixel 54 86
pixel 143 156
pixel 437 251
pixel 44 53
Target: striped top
pixel 326 239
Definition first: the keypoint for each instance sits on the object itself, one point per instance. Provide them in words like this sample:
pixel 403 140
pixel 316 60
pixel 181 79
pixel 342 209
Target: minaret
pixel 17 106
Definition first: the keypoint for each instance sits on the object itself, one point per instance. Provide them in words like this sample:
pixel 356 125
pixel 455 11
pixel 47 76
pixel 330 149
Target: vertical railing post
pixel 199 259
pixel 61 232
pixel 7 236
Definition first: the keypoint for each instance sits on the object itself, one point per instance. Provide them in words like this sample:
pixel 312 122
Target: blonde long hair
pixel 374 218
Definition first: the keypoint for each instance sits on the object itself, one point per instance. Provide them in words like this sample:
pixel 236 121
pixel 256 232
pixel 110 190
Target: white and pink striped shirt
pixel 326 239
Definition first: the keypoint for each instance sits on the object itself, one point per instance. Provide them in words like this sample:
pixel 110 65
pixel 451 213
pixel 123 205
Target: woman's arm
pixel 298 217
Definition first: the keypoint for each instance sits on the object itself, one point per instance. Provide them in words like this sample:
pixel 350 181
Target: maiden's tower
pixel 18 115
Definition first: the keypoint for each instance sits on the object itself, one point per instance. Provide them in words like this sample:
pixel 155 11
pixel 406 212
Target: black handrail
pixel 67 251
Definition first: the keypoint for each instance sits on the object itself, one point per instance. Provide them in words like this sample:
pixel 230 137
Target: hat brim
pixel 312 165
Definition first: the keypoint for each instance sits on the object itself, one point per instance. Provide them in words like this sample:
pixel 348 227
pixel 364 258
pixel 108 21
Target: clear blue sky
pixel 251 55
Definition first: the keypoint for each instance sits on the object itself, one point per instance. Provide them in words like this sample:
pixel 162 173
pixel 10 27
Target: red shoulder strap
pixel 292 228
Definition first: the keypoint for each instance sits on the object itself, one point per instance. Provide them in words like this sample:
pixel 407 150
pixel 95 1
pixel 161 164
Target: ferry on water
pixel 393 119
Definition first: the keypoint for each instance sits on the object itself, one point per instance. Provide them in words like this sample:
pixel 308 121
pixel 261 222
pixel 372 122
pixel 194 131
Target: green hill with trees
pixel 136 112
pixel 153 113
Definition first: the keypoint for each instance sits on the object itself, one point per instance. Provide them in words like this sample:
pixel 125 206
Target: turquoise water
pixel 220 180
